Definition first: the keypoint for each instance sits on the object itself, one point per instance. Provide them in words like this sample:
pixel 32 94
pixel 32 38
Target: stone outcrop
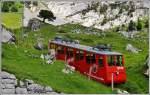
pixel 7 36
pixel 11 85
pixel 132 49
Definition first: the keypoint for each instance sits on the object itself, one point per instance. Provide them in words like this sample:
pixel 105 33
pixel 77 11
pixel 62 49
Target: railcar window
pixel 111 61
pixel 115 60
pixel 79 55
pixel 100 61
pixel 52 46
pixel 60 50
pixel 90 58
pixel 69 52
pixel 93 58
pixel 119 60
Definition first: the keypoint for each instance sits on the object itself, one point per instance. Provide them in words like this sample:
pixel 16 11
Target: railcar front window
pixel 115 60
pixel 119 60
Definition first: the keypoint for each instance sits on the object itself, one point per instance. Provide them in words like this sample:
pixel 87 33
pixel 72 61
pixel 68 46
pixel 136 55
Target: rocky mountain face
pixel 101 15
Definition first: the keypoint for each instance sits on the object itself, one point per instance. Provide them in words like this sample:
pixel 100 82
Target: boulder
pixel 7 36
pixel 7 91
pixel 35 88
pixel 21 84
pixel 119 91
pixel 48 89
pixel 49 61
pixel 39 46
pixel 132 49
pixel 51 93
pixel 8 86
pixel 28 81
pixel 5 75
pixel 34 24
pixel 8 81
pixel 21 90
pixel 146 73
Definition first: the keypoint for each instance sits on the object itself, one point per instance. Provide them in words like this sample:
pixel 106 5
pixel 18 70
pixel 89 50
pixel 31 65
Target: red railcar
pixel 98 65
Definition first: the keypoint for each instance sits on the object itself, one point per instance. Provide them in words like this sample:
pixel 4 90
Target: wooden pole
pixel 112 82
pixel 90 70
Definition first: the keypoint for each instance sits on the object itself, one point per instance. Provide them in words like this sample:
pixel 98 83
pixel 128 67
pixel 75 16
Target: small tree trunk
pixel 43 19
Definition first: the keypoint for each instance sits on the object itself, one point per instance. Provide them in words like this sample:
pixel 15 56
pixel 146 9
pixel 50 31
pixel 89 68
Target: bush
pixel 14 9
pixel 139 25
pixel 5 7
pixel 35 3
pixel 45 14
pixel 104 21
pixel 146 24
pixel 103 9
pixel 131 26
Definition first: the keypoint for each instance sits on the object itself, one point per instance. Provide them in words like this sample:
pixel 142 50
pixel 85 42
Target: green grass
pixel 15 60
pixel 11 20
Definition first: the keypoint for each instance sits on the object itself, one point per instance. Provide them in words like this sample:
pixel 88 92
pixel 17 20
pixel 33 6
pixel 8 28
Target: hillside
pixel 17 61
pixel 101 15
pixel 23 60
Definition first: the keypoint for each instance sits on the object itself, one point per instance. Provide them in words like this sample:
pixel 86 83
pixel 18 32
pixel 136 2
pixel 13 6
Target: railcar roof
pixel 87 48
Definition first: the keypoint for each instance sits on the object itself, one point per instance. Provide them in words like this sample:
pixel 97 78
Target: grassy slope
pixel 12 20
pixel 16 61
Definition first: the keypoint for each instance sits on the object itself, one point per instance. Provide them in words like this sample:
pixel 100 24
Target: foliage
pixel 45 14
pixel 103 8
pixel 104 21
pixel 35 3
pixel 14 9
pixel 139 24
pixel 5 7
pixel 11 6
pixel 131 26
pixel 11 20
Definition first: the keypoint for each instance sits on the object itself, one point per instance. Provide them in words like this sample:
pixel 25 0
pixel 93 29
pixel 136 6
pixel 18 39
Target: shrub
pixel 45 14
pixel 35 3
pixel 103 8
pixel 131 26
pixel 14 9
pixel 139 25
pixel 104 21
pixel 5 7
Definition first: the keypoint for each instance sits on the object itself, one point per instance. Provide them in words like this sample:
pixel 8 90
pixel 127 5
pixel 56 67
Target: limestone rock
pixel 7 91
pixel 5 75
pixel 35 88
pixel 21 84
pixel 21 90
pixel 39 46
pixel 34 24
pixel 8 86
pixel 29 81
pixel 132 49
pixel 8 81
pixel 48 89
pixel 7 36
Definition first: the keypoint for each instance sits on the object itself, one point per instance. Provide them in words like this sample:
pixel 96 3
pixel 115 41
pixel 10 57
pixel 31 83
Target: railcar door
pixel 90 63
pixel 79 59
pixel 101 71
pixel 60 53
pixel 70 56
pixel 96 70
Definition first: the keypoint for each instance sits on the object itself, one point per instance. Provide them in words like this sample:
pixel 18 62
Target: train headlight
pixel 117 73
